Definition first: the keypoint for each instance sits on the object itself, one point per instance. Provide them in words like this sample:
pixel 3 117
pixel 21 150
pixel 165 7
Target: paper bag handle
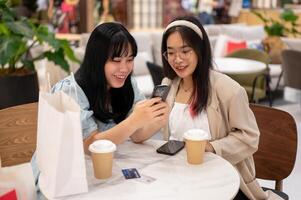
pixel 73 84
pixel 48 82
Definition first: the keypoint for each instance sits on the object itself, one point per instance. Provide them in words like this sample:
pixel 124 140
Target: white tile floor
pixel 292 184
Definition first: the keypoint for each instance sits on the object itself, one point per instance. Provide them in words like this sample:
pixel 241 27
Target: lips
pixel 181 67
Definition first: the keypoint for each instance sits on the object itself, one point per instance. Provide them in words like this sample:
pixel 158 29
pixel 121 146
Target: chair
pixel 156 72
pixel 18 128
pixel 292 43
pixel 256 84
pixel 291 68
pixel 276 155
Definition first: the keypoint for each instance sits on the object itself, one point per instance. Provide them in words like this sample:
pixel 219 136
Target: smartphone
pixel 171 147
pixel 161 91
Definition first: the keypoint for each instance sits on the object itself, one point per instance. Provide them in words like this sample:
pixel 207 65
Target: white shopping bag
pixel 60 154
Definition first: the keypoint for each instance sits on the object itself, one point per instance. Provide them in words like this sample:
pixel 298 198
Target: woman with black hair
pixel 208 100
pixel 111 105
pixel 110 100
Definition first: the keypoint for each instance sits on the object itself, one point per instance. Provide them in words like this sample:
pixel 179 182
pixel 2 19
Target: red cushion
pixel 233 46
pixel 8 194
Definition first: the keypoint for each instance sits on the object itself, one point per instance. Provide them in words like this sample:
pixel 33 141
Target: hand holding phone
pixel 160 91
pixel 171 147
pixel 151 111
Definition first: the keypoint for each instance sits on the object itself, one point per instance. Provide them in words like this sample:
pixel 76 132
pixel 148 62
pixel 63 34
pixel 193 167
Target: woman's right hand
pixel 148 111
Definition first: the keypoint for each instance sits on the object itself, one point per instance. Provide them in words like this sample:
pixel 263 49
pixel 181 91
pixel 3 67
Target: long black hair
pixel 201 47
pixel 108 40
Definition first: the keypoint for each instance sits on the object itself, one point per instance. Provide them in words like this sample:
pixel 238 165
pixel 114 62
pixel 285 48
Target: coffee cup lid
pixel 102 146
pixel 196 134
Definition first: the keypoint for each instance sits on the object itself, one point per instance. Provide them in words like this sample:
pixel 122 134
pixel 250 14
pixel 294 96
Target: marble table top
pixel 162 176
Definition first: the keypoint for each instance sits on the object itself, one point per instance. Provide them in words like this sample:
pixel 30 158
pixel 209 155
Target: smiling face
pixel 118 69
pixel 181 57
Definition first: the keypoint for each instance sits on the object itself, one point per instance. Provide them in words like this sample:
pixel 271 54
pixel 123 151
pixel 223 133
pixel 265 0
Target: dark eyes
pixel 183 51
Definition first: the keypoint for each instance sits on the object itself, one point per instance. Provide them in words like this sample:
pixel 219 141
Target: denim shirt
pixel 88 122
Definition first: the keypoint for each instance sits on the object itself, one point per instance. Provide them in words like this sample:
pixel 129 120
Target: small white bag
pixel 20 178
pixel 60 154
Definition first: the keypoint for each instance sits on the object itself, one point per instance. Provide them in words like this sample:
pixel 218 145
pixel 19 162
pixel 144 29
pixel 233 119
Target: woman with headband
pixel 209 100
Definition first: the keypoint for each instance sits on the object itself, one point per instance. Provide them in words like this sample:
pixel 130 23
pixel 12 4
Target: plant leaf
pixel 28 64
pixel 3 29
pixel 289 16
pixel 11 49
pixel 277 29
pixel 68 51
pixel 22 28
pixel 6 14
pixel 19 35
pixel 43 35
pixel 58 58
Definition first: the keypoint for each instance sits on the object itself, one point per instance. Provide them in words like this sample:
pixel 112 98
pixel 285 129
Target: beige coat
pixel 233 128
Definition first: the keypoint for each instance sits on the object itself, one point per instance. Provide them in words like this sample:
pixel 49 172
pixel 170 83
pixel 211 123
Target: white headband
pixel 188 24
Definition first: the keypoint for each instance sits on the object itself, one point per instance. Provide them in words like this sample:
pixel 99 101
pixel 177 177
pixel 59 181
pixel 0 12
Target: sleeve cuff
pixel 216 147
pixel 87 132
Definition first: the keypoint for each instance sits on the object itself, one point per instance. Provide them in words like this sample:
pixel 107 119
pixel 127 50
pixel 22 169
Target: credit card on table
pixel 130 173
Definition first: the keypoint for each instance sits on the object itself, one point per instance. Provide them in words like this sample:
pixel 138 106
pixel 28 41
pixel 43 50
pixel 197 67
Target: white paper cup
pixel 195 143
pixel 102 152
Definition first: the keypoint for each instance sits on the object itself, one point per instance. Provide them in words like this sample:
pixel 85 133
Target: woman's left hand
pixel 209 148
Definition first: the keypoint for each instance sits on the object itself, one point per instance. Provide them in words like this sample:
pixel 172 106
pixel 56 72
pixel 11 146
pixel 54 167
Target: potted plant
pixel 18 35
pixel 285 26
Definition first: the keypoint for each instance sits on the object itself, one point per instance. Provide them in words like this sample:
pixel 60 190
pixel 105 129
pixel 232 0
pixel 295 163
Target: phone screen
pixel 171 147
pixel 161 91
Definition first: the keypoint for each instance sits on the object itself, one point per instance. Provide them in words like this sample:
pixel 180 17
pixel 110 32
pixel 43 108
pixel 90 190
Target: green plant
pixel 19 35
pixel 285 26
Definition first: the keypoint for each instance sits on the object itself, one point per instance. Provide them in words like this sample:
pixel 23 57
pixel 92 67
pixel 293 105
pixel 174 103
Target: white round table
pixel 229 65
pixel 162 177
